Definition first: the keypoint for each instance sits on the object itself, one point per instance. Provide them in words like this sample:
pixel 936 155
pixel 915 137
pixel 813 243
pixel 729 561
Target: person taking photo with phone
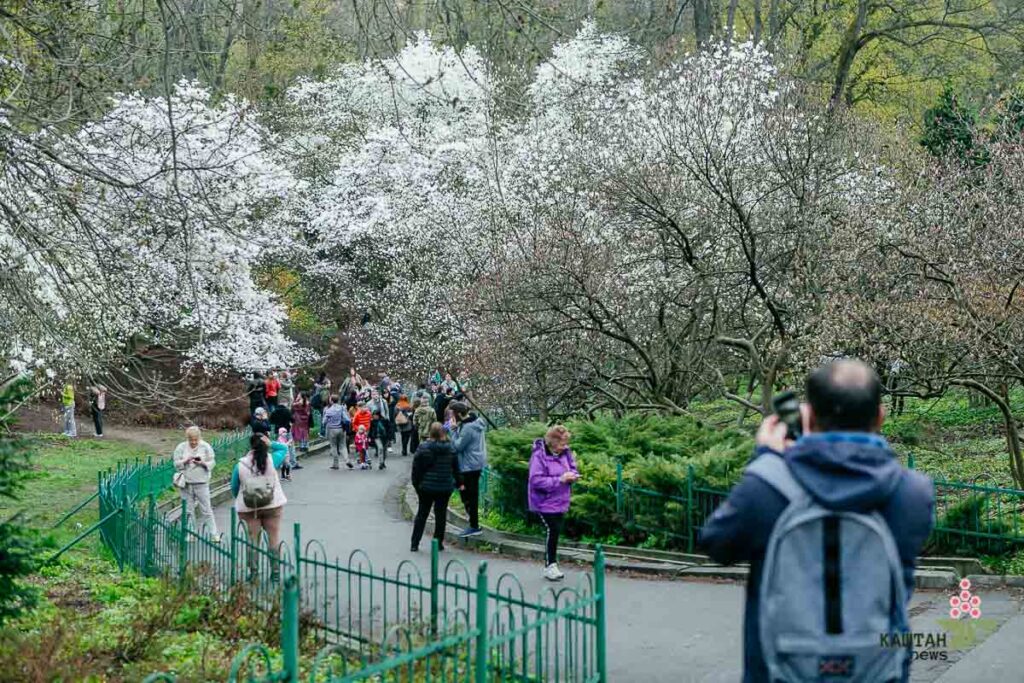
pixel 194 461
pixel 552 474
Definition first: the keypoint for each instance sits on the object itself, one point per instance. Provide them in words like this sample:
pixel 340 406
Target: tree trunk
pixel 756 37
pixel 1012 435
pixel 731 21
pixel 705 20
pixel 848 52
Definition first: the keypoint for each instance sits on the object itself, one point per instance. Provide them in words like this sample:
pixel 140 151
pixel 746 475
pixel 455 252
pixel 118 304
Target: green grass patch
pixel 63 474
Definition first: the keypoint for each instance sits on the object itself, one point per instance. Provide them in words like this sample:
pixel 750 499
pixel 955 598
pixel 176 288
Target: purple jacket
pixel 545 492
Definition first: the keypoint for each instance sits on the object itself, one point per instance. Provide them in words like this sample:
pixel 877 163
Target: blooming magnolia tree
pixel 395 153
pixel 141 231
pixel 625 239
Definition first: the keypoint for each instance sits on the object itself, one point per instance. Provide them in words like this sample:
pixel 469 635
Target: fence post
pixel 183 544
pixel 298 555
pixel 122 535
pixel 148 568
pixel 690 532
pixel 602 617
pixel 290 629
pixel 434 577
pixel 618 488
pixel 232 578
pixel 910 460
pixel 481 625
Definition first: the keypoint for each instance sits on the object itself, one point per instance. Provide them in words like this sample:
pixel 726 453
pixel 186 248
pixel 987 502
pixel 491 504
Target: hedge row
pixel 655 452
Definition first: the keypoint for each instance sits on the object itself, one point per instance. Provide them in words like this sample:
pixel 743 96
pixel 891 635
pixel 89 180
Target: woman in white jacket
pixel 260 500
pixel 194 459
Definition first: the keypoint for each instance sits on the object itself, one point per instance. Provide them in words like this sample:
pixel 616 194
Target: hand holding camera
pixel 784 425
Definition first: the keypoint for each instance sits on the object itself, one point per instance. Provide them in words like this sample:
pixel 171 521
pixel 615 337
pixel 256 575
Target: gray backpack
pixel 832 591
pixel 258 490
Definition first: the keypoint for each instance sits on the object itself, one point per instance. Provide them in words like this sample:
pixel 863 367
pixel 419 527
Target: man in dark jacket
pixel 841 461
pixel 441 404
pixel 259 424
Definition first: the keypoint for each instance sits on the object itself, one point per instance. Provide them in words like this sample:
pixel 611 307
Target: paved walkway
pixel 658 630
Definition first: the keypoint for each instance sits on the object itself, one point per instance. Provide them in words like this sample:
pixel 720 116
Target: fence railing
pixel 453 624
pixel 967 516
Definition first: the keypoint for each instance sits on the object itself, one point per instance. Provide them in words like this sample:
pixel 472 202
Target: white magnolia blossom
pixel 143 229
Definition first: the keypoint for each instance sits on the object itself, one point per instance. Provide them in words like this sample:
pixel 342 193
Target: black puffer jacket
pixel 435 468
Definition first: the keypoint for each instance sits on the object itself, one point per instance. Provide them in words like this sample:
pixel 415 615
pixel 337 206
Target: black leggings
pixel 553 524
pixel 406 438
pixel 438 501
pixel 470 494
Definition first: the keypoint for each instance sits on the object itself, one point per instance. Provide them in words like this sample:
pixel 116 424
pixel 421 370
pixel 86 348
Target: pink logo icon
pixel 963 604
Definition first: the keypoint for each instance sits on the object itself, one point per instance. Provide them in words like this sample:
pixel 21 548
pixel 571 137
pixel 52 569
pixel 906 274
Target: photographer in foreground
pixel 831 525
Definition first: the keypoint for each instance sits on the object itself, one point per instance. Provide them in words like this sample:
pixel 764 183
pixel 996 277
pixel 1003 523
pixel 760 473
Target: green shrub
pixel 970 514
pixel 655 452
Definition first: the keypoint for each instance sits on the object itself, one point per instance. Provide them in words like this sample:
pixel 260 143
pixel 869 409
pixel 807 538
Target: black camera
pixel 787 406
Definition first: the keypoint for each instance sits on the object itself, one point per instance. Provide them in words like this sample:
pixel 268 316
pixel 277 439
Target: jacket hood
pixel 845 470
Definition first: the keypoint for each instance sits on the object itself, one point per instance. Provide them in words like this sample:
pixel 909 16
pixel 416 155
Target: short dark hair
pixel 845 395
pixel 333 398
pixel 458 408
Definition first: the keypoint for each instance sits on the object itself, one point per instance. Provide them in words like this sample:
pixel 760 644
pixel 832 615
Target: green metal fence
pixel 968 516
pixel 452 624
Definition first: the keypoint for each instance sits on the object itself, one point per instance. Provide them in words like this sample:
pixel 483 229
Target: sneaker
pixel 364 466
pixel 350 465
pixel 467 533
pixel 296 466
pixel 216 538
pixel 382 466
pixel 335 467
pixel 288 477
pixel 553 573
pixel 414 549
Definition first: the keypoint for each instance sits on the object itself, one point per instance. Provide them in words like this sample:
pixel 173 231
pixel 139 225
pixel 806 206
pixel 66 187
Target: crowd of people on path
pixel 433 423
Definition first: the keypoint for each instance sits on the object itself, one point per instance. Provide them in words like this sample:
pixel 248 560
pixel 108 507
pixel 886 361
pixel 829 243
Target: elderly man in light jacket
pixel 194 460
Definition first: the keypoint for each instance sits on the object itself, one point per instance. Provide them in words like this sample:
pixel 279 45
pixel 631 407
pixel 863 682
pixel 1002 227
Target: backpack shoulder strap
pixel 773 470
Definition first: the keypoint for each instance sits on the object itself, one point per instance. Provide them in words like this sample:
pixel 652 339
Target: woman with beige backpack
pixel 260 501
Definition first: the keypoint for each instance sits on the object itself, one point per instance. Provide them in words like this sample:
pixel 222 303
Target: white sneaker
pixel 552 573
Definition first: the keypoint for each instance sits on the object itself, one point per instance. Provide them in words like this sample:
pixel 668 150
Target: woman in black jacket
pixel 435 475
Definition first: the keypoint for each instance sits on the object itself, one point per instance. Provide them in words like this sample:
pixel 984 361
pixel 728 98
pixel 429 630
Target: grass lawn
pixel 63 474
pixel 93 622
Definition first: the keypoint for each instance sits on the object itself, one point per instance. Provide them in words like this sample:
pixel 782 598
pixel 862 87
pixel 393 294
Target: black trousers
pixel 406 438
pixel 97 420
pixel 553 524
pixel 428 500
pixel 415 439
pixel 470 495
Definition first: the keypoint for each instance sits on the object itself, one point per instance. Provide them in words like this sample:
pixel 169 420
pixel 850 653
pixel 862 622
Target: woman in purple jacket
pixel 552 474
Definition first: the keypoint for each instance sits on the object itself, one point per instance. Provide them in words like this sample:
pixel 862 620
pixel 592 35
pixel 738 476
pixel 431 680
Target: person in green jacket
pixel 67 399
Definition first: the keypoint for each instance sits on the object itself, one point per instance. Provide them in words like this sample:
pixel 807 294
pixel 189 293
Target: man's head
pixel 459 410
pixel 845 396
pixel 333 399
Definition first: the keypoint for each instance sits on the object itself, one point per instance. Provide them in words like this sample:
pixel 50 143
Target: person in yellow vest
pixel 67 399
